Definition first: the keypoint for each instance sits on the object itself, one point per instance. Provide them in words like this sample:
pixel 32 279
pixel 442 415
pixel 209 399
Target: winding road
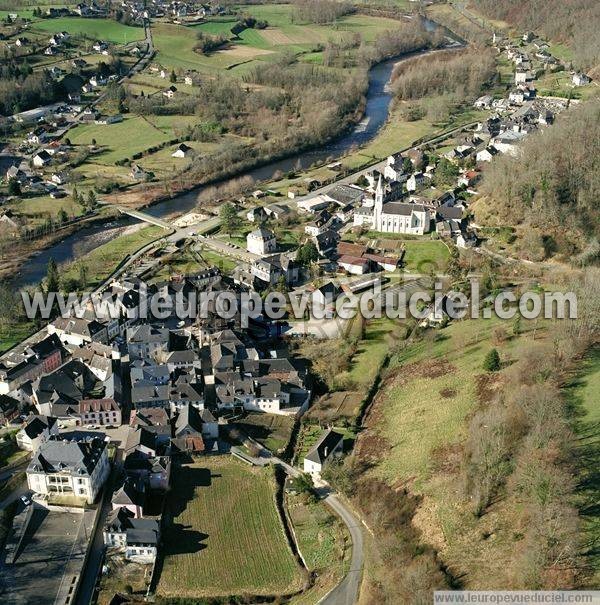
pixel 346 592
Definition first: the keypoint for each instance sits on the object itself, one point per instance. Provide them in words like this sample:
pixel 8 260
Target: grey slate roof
pixel 72 457
pixel 321 450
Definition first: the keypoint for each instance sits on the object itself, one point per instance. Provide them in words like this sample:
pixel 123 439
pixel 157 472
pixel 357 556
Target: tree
pixel 91 199
pixel 491 363
pixel 62 216
pixel 52 277
pixel 14 187
pixel 173 77
pixel 83 274
pixel 516 327
pixel 307 254
pixel 446 173
pixel 229 218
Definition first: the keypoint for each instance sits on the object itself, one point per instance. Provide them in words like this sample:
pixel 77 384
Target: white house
pixel 484 102
pixel 74 467
pixel 313 204
pixel 37 429
pixel 327 447
pixel 170 92
pixel 580 79
pixel 261 241
pixel 41 159
pixel 100 411
pixel 182 151
pixel 415 181
pixel 137 537
pixel 394 167
pixel 487 154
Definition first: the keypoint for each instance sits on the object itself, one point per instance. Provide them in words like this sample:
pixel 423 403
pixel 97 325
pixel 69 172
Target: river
pixel 378 101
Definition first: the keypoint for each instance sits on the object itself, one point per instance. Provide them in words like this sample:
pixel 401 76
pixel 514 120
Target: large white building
pixel 393 217
pixel 72 467
pixel 261 241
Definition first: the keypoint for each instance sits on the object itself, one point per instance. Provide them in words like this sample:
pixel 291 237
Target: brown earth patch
pixel 487 385
pixel 448 393
pixel 447 458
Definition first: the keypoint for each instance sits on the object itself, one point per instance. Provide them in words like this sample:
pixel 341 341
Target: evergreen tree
pixel 83 275
pixel 52 277
pixel 14 187
pixel 229 218
pixel 91 199
pixel 491 363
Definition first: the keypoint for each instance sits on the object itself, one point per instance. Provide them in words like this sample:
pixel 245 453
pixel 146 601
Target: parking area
pixel 48 559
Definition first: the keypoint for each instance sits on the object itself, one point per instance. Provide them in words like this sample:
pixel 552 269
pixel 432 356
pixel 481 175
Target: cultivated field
pixel 227 537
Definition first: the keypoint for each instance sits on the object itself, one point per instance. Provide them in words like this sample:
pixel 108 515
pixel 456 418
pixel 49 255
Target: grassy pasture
pixel 134 134
pixel 102 29
pixel 227 537
pixel 415 435
pixel 175 43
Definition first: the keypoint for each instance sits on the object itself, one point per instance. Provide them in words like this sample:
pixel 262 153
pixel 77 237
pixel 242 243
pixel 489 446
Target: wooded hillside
pixel 574 22
pixel 551 190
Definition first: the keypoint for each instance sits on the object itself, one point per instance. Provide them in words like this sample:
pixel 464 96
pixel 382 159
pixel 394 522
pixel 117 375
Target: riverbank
pixel 160 201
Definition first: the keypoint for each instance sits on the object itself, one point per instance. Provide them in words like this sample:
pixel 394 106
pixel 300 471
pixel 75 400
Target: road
pixel 346 592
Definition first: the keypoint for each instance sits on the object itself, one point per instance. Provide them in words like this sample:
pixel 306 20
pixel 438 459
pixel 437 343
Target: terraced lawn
pixel 227 537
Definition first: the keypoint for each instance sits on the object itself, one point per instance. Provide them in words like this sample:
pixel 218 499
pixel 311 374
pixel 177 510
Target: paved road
pixel 346 592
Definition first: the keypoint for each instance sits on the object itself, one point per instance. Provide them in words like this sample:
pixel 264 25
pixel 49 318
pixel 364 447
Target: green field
pixel 134 134
pixel 560 84
pixel 423 256
pixel 175 43
pixel 324 543
pixel 415 435
pixel 583 393
pixel 38 209
pixel 271 430
pixel 227 538
pixel 102 261
pixel 427 407
pixel 101 29
pixel 13 334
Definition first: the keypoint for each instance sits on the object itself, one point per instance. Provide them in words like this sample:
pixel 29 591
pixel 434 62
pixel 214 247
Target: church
pixel 392 217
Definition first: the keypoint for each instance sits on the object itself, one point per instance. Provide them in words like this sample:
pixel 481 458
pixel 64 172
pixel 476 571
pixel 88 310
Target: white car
pixel 25 500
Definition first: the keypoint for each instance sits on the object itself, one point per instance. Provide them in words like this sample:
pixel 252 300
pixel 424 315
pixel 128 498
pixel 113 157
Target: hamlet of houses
pixel 166 390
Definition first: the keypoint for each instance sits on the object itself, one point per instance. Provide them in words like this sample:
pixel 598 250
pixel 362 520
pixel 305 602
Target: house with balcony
pixel 77 467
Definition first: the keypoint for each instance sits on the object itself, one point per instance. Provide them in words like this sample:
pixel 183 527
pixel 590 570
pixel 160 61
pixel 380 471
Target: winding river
pixel 379 97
